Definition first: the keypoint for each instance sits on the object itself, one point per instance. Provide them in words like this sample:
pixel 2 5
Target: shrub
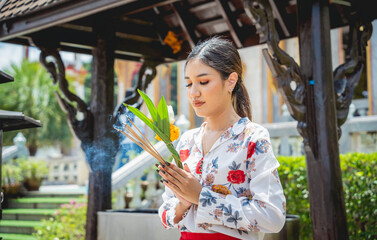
pixel 33 168
pixel 11 181
pixel 360 194
pixel 68 223
pixel 359 187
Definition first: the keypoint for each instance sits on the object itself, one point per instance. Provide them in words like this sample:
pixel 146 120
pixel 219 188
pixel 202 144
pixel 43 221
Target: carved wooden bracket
pixel 283 67
pixel 147 73
pixel 83 128
pixel 287 71
pixel 347 75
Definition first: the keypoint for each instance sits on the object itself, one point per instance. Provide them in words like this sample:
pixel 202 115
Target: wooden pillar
pixel 104 143
pixel 322 152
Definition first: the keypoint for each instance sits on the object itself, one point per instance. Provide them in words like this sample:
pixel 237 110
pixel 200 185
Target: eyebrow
pixel 200 75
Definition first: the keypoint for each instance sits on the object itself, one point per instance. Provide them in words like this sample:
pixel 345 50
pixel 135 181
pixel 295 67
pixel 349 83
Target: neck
pixel 222 121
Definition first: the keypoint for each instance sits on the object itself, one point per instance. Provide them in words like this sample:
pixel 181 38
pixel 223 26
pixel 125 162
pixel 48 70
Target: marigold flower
pixel 174 133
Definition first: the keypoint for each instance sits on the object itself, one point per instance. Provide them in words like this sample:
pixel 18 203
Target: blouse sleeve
pixel 170 201
pixel 265 210
pixel 167 209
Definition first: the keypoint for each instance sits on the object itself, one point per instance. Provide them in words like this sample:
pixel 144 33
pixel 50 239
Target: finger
pixel 170 178
pixel 166 175
pixel 186 168
pixel 173 169
pixel 176 190
pixel 169 172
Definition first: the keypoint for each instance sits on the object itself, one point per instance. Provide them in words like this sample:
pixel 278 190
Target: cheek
pixel 216 94
pixel 213 90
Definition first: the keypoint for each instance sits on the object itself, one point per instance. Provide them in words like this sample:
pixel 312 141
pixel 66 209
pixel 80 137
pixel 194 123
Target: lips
pixel 197 103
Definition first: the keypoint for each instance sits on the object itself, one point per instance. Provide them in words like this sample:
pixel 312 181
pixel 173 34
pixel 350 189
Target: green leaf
pixel 148 122
pixel 163 117
pixel 152 109
pixel 140 115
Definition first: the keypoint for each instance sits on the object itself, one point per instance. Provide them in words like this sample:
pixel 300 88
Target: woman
pixel 229 188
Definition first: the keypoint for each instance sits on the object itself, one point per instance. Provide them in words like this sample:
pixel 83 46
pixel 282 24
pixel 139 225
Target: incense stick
pixel 138 139
pixel 133 124
pixel 155 155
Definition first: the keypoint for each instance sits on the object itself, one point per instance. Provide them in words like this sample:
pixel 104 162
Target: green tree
pixel 33 93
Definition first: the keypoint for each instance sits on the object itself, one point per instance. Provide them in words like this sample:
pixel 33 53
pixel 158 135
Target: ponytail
pixel 241 100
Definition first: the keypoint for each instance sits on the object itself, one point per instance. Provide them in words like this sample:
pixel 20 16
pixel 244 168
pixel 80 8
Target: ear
pixel 232 80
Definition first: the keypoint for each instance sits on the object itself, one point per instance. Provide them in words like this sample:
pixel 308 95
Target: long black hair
pixel 221 55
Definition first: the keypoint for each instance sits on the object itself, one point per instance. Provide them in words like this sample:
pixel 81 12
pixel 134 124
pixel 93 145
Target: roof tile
pixel 13 8
pixel 20 3
pixel 5 8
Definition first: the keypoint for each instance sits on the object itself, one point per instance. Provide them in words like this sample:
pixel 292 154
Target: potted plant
pixel 33 172
pixel 11 180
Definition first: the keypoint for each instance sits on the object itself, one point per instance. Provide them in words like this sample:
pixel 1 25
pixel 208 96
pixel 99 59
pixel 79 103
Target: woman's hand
pixel 184 185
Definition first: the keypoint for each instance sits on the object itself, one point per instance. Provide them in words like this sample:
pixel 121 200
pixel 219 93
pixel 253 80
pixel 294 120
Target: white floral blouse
pixel 242 195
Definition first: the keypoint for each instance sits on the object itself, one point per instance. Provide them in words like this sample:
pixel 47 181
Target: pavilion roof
pixel 4 77
pixel 13 8
pixel 142 26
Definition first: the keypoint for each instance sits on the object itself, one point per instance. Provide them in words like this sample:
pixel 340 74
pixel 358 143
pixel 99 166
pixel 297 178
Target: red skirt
pixel 205 236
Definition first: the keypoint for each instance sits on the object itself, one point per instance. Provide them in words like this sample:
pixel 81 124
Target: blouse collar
pixel 232 131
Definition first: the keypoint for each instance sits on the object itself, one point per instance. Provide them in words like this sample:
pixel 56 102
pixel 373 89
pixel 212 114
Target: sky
pixel 12 53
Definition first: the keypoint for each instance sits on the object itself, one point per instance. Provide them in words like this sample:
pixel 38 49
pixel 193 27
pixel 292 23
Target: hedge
pixel 359 176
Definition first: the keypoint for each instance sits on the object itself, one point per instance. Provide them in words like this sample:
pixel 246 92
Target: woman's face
pixel 206 90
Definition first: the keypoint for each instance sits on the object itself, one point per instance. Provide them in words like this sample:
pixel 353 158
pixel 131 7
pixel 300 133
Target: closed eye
pixel 201 83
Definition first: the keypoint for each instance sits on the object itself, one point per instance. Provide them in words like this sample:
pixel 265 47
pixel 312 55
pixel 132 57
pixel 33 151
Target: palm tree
pixel 32 93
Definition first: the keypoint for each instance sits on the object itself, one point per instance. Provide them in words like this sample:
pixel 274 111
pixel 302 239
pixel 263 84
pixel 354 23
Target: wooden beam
pixel 202 6
pixel 186 22
pixel 87 40
pixel 280 15
pixel 136 29
pixel 230 20
pixel 322 152
pixel 152 4
pixel 210 22
pixel 70 11
pixel 121 26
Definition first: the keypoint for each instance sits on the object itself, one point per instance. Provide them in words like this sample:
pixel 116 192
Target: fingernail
pixel 161 181
pixel 157 170
pixel 168 163
pixel 163 171
pixel 156 165
pixel 162 165
pixel 165 180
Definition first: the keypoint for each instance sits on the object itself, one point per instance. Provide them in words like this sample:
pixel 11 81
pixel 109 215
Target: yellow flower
pixel 221 189
pixel 174 133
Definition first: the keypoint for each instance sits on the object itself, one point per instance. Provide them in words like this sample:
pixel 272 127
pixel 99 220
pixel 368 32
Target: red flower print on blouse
pixel 164 219
pixel 236 176
pixel 184 154
pixel 250 149
pixel 199 167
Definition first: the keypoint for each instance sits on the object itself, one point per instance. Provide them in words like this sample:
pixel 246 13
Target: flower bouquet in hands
pixel 161 124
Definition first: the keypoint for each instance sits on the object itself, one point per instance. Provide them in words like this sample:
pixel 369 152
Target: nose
pixel 194 91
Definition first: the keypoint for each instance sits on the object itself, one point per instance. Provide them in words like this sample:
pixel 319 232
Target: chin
pixel 202 113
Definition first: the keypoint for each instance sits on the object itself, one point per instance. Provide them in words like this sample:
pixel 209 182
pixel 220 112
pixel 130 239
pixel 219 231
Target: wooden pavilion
pixel 156 31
